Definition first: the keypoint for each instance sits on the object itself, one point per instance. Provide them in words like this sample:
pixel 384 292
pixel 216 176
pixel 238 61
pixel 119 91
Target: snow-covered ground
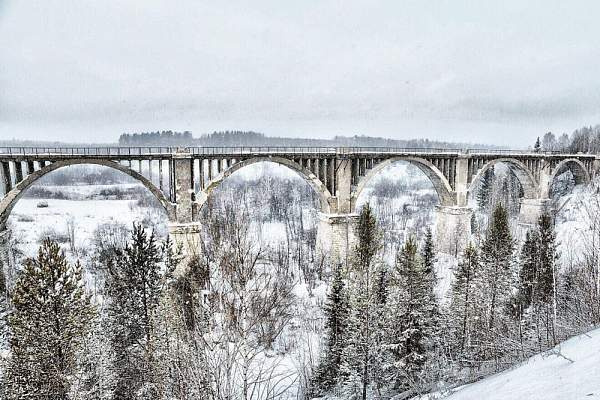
pixel 570 371
pixel 31 223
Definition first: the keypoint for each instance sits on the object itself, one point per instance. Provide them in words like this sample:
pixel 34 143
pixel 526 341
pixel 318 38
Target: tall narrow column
pixel 184 232
pixel 6 259
pixel 452 228
pixel 336 237
pixel 343 190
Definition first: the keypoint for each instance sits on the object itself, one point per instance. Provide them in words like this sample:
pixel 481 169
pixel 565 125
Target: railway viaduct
pixel 182 179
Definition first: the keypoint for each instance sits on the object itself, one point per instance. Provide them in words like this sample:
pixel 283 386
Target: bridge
pixel 182 179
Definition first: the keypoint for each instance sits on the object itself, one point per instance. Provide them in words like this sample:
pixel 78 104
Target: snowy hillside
pixel 570 371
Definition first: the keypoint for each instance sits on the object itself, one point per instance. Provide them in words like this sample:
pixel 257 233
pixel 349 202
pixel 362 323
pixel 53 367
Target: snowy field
pixel 31 223
pixel 570 371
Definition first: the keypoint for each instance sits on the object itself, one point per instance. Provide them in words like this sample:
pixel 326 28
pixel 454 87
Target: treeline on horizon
pixel 251 138
pixel 585 139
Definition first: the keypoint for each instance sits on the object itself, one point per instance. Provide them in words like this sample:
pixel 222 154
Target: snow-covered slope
pixel 549 376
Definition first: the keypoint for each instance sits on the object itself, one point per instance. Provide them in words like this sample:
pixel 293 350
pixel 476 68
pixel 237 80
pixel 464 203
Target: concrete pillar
pixel 461 181
pixel 336 236
pixel 343 189
pixel 595 167
pixel 531 209
pixel 544 179
pixel 6 260
pixel 185 238
pixel 184 181
pixel 452 229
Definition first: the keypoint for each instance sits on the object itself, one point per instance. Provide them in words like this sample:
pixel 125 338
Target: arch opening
pixel 78 204
pixel 566 175
pixel 323 195
pixel 275 203
pixel 438 181
pixel 11 198
pixel 404 199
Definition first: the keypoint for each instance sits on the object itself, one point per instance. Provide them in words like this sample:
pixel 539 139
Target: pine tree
pixel 134 287
pixel 336 323
pixel 50 317
pixel 537 147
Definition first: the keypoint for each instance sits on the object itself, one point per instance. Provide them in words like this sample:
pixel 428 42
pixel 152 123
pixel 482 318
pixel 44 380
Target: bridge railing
pixel 242 150
pixel 85 151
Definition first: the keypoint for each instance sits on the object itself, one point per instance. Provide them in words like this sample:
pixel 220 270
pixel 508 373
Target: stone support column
pixel 343 189
pixel 184 180
pixel 452 229
pixel 6 260
pixel 461 181
pixel 336 236
pixel 531 209
pixel 185 238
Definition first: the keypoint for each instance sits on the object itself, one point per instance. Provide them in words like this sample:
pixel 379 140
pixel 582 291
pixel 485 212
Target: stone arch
pixel 11 198
pixel 524 175
pixel 437 178
pixel 574 165
pixel 313 181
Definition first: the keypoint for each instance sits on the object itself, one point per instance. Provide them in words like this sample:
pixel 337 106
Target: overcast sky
pixel 482 71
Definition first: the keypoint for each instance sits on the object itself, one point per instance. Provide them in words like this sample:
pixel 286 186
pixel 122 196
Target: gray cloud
pixel 454 70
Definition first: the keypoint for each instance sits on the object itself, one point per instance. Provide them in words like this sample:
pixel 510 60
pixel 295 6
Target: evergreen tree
pixel 358 355
pixel 50 317
pixel 537 147
pixel 496 279
pixel 412 316
pixel 134 286
pixel 336 323
pixel 486 187
pixel 463 301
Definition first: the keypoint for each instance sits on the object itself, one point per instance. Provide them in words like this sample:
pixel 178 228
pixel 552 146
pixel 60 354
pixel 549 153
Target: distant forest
pixel 586 140
pixel 250 138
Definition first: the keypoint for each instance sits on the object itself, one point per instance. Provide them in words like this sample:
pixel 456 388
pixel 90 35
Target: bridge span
pixel 182 179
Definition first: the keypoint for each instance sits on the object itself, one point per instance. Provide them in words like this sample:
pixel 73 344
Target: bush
pixel 42 204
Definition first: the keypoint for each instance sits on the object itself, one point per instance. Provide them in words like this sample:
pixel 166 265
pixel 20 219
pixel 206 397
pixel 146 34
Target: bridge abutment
pixel 336 236
pixel 531 209
pixel 452 228
pixel 186 239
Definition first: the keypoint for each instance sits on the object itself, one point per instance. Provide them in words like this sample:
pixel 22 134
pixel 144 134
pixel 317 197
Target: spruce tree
pixel 496 278
pixel 463 300
pixel 51 315
pixel 486 187
pixel 412 317
pixel 336 323
pixel 537 147
pixel 358 354
pixel 134 287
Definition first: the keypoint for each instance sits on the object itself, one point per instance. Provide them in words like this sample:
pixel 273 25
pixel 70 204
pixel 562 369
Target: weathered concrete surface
pixel 336 237
pixel 184 184
pixel 452 229
pixel 186 238
pixel 531 209
pixel 6 259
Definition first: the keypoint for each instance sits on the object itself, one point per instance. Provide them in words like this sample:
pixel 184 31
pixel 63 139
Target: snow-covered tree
pixel 134 285
pixel 51 314
pixel 496 280
pixel 336 324
pixel 463 300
